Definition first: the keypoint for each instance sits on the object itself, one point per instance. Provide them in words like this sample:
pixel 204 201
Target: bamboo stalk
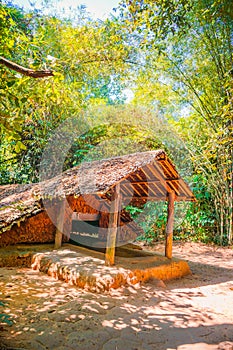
pixel 221 224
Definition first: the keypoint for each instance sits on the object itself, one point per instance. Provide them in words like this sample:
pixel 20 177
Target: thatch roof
pixel 143 176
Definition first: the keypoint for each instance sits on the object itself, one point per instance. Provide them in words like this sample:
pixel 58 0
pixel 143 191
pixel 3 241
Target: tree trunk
pixel 25 71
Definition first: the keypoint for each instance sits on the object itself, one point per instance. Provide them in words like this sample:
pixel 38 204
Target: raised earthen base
pixel 86 269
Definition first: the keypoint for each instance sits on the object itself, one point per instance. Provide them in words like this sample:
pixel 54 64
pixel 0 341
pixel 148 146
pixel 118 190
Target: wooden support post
pixel 60 222
pixel 170 224
pixel 112 226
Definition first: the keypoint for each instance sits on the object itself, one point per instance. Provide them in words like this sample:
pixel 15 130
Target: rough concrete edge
pixel 72 276
pixel 176 269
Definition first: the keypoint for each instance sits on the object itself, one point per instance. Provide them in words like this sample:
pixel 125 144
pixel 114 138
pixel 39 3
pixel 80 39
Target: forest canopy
pixel 152 75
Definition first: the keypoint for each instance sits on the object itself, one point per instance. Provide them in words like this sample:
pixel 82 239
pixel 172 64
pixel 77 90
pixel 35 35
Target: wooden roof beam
pixel 170 224
pixel 113 226
pixel 160 176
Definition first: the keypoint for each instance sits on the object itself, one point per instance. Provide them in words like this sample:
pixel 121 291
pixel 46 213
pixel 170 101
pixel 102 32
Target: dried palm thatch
pixel 142 177
pixel 153 167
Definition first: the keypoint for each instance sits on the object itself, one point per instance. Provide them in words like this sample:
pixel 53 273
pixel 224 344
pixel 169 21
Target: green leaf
pixel 19 147
pixel 10 83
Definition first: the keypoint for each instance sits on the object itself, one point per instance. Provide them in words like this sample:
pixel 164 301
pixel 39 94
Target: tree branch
pixel 25 71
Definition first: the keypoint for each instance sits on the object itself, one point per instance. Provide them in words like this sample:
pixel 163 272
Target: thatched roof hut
pixel 30 213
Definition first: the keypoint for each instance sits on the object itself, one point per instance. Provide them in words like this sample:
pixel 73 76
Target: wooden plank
pixel 139 190
pixel 157 190
pixel 157 172
pixel 174 187
pixel 112 226
pixel 170 224
pixel 86 216
pixel 145 190
pixel 60 222
pixel 136 191
pixel 144 182
pixel 125 189
pixel 149 197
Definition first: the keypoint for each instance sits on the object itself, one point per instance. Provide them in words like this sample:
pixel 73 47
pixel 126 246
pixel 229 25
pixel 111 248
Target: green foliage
pixel 88 60
pixel 193 221
pixel 152 218
pixel 176 57
pixel 188 72
pixel 199 222
pixel 160 18
pixel 109 140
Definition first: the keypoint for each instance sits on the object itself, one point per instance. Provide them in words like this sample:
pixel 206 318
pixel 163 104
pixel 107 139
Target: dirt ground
pixel 195 312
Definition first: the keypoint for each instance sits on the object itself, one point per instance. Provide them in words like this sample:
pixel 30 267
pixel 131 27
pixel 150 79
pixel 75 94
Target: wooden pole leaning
pixel 170 224
pixel 60 224
pixel 113 226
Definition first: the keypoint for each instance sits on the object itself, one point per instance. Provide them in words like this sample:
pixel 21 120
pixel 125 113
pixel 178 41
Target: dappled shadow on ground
pixel 209 264
pixel 188 314
pixel 49 314
pixel 200 253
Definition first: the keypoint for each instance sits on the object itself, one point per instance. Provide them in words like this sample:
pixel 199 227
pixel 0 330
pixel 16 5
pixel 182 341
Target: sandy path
pixel 195 312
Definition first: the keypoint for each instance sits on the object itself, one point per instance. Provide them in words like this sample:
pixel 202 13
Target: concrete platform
pixel 86 268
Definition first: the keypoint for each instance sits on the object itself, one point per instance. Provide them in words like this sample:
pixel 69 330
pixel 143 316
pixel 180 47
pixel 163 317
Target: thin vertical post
pixel 60 224
pixel 112 226
pixel 170 224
